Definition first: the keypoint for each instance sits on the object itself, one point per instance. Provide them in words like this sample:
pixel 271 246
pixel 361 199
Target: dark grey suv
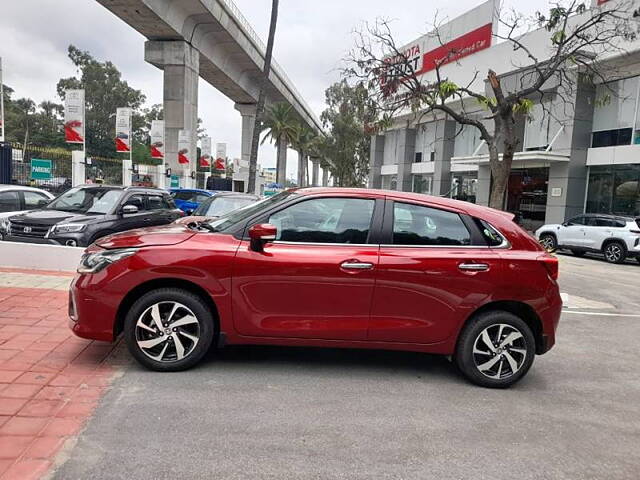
pixel 83 214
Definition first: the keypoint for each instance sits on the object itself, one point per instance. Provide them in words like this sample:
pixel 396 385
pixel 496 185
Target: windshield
pixel 244 213
pixel 86 200
pixel 218 206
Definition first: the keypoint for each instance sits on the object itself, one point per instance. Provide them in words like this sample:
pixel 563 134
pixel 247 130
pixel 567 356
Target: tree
pixel 345 150
pixel 257 127
pixel 282 129
pixel 305 143
pixel 105 91
pixel 578 38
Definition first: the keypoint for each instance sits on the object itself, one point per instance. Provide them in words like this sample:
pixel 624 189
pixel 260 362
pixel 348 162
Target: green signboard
pixel 175 181
pixel 41 169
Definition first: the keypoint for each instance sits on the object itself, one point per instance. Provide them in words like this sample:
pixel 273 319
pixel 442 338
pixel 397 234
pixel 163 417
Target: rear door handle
pixel 355 265
pixel 474 267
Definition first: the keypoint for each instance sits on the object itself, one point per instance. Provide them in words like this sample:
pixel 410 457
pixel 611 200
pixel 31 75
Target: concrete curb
pixel 39 257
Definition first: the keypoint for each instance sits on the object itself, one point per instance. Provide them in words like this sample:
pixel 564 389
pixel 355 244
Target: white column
pixel 126 172
pixel 161 179
pixel 315 173
pixel 181 65
pixel 77 168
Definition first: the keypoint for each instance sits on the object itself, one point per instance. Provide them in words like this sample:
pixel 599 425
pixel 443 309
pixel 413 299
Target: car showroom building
pixel 579 148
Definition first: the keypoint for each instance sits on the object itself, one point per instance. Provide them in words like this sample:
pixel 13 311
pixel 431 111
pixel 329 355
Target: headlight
pixel 94 262
pixel 68 228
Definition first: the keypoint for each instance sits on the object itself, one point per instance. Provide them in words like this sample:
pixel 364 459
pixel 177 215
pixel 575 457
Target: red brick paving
pixel 50 381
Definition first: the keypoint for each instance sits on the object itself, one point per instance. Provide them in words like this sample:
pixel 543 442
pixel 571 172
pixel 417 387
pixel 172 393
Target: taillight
pixel 551 264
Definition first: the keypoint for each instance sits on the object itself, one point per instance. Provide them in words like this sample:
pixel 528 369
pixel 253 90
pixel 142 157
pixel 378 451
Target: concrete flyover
pixel 211 39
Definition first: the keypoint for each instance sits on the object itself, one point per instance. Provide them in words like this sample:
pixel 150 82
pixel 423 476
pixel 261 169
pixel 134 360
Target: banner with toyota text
pixel 74 116
pixel 157 139
pixel 123 130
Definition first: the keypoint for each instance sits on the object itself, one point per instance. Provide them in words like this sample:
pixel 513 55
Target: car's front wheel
pixel 169 329
pixel 495 349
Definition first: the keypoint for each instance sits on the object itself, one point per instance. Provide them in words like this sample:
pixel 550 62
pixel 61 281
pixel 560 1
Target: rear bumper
pixel 550 318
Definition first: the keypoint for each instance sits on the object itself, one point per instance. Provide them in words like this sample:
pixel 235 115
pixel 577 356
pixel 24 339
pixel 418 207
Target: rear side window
pixel 489 233
pixel 156 202
pixel 418 225
pixel 9 202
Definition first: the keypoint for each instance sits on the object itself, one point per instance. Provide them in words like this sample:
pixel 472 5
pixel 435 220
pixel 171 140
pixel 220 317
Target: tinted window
pixel 581 220
pixel 85 200
pixel 417 225
pixel 136 200
pixel 602 222
pixel 325 220
pixel 490 234
pixel 156 202
pixel 9 202
pixel 218 206
pixel 200 197
pixel 184 196
pixel 34 200
pixel 610 138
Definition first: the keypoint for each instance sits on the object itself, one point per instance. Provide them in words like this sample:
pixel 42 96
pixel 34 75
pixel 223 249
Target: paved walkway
pixel 50 380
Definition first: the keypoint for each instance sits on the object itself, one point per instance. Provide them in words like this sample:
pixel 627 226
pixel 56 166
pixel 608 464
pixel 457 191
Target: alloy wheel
pixel 613 253
pixel 167 332
pixel 548 243
pixel 499 351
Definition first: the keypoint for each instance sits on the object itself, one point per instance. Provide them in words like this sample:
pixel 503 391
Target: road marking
pixel 600 314
pixel 574 301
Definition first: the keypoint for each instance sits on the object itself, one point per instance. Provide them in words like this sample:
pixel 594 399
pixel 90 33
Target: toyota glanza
pixel 328 267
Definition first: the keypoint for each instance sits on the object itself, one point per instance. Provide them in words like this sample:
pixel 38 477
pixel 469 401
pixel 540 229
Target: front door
pixel 316 279
pixel 572 233
pixel 141 218
pixel 431 275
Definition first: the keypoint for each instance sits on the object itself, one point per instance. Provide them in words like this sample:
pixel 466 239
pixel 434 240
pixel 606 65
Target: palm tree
pixel 282 129
pixel 304 144
pixel 253 158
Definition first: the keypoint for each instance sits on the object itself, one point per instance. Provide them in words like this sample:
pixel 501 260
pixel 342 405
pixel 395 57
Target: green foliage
pixel 523 106
pixel 349 115
pixel 280 124
pixel 105 91
pixel 447 88
pixel 487 102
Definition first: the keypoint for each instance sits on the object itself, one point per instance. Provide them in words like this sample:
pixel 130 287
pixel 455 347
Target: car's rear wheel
pixel 615 252
pixel 548 242
pixel 495 349
pixel 169 329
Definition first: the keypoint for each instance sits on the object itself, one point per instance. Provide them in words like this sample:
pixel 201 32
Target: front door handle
pixel 356 265
pixel 474 267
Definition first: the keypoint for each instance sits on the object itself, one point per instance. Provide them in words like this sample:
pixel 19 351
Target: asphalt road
pixel 276 413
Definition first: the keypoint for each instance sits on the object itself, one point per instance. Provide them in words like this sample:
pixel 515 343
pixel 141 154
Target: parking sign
pixel 41 169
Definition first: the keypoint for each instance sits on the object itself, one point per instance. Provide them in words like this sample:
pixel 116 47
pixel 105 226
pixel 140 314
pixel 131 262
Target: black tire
pixel 549 242
pixel 615 252
pixel 498 360
pixel 206 327
pixel 578 253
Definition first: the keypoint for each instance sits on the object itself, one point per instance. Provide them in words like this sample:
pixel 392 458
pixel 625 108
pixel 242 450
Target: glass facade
pixel 614 189
pixel 615 113
pixel 422 184
pixel 389 182
pixel 527 195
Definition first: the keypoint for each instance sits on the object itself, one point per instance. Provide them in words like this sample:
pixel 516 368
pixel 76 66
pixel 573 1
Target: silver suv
pixel 618 238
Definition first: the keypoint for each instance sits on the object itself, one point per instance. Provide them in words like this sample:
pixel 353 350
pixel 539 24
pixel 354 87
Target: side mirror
pixel 42 203
pixel 129 209
pixel 189 212
pixel 261 234
pixel 565 224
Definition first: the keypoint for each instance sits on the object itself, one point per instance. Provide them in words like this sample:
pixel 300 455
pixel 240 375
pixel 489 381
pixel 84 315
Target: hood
pixel 51 217
pixel 148 237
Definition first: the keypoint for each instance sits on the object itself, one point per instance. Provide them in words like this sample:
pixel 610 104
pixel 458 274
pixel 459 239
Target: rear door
pixel 434 269
pixel 133 220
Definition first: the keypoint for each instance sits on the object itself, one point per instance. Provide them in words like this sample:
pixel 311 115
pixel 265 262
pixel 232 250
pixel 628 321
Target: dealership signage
pixel 205 152
pixel 221 156
pixel 41 169
pixel 74 116
pixel 175 181
pixel 123 130
pixel 184 146
pixel 157 139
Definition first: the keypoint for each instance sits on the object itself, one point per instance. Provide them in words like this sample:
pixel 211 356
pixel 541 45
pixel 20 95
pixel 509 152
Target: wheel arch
pixel 549 232
pixel 607 241
pixel 519 309
pixel 155 284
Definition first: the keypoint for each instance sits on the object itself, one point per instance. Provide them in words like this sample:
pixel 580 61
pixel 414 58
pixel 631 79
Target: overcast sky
pixel 312 38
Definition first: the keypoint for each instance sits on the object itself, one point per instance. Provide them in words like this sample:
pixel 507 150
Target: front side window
pixel 418 225
pixel 9 202
pixel 34 200
pixel 580 220
pixel 325 220
pixel 86 200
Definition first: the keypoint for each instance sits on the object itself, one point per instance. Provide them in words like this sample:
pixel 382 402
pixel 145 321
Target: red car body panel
pixel 414 298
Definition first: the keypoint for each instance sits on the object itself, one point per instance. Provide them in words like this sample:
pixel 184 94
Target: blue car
pixel 188 199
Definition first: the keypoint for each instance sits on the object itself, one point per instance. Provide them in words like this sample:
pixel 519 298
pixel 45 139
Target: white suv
pixel 616 237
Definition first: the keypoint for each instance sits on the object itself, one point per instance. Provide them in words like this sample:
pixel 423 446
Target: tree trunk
pixel 253 158
pixel 501 165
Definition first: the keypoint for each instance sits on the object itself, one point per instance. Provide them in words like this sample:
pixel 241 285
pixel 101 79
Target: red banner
pixel 205 161
pixel 220 164
pixel 461 47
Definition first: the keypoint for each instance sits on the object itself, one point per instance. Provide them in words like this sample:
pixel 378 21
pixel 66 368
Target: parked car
pixel 218 205
pixel 16 199
pixel 328 267
pixel 84 214
pixel 188 199
pixel 618 238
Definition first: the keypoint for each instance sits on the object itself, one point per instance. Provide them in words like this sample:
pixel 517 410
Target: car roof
pixel 236 194
pixel 470 208
pixel 22 187
pixel 607 215
pixel 198 190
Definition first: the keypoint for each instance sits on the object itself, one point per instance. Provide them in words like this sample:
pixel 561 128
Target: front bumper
pixel 92 314
pixel 65 240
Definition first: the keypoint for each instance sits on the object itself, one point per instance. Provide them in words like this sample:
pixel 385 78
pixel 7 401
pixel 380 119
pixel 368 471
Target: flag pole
pixel 1 103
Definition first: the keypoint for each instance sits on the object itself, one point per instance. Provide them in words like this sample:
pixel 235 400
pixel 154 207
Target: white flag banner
pixel 157 139
pixel 123 130
pixel 221 156
pixel 205 152
pixel 74 116
pixel 184 144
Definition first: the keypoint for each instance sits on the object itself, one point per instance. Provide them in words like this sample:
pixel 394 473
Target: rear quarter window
pixel 490 233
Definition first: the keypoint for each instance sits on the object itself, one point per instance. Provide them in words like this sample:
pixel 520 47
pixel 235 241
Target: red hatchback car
pixel 328 267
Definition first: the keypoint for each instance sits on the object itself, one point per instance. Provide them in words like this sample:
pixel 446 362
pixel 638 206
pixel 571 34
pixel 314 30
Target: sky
pixel 312 38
